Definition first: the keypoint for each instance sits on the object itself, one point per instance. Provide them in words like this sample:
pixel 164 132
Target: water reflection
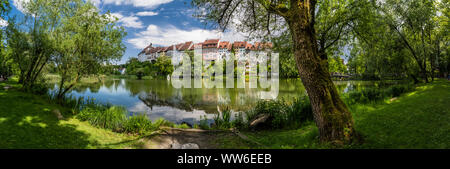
pixel 158 99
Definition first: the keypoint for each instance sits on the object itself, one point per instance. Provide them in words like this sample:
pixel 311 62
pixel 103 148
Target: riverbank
pixel 28 121
pixel 418 119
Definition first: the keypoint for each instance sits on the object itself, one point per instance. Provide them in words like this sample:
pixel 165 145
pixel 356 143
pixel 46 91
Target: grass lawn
pixel 27 121
pixel 420 119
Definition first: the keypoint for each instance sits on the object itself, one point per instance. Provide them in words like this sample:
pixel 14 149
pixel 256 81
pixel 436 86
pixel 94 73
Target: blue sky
pixel 161 22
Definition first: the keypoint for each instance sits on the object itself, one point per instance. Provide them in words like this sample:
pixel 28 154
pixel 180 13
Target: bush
pixel 299 112
pixel 238 121
pixel 87 114
pixel 161 122
pixel 112 118
pixel 39 89
pixel 203 124
pixel 282 114
pixel 372 94
pixel 223 120
pixel 138 124
pixel 181 126
pixel 397 90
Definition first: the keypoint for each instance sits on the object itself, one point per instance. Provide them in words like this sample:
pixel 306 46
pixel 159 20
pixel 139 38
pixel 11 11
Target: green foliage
pixel 223 119
pixel 86 40
pixel 164 65
pixel 115 119
pixel 369 95
pixel 299 112
pixel 138 124
pixel 30 45
pixel 239 121
pixel 282 114
pixel 39 89
pixel 28 122
pixel 336 64
pixel 112 118
pixel 203 124
pixel 397 90
pixel 181 126
pixel 161 67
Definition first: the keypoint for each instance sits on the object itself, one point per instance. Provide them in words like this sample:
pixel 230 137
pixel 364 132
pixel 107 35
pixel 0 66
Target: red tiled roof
pixel 261 46
pixel 239 44
pixel 248 46
pixel 186 46
pixel 165 49
pixel 225 45
pixel 210 43
pixel 198 45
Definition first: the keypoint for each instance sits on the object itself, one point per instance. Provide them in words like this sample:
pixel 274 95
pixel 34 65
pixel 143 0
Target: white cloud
pixel 19 4
pixel 3 23
pixel 138 3
pixel 171 35
pixel 147 13
pixel 95 2
pixel 128 21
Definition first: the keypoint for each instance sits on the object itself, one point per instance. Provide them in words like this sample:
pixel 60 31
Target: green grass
pixel 418 119
pixel 27 121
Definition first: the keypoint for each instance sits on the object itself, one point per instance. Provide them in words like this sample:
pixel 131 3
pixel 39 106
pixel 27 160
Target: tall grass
pixel 370 95
pixel 108 116
pixel 223 119
pixel 281 114
pixel 284 114
pixel 115 119
pixel 139 124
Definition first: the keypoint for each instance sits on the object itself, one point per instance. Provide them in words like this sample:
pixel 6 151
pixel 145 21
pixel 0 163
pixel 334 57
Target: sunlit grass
pixel 419 119
pixel 27 121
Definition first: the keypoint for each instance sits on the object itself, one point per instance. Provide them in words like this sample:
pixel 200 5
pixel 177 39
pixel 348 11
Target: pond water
pixel 159 99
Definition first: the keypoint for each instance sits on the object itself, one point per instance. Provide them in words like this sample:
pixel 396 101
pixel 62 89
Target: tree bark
pixel 331 115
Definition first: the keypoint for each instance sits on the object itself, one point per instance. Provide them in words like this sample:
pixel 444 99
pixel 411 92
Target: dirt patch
pixel 172 138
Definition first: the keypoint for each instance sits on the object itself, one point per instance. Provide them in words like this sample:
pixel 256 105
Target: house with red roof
pixel 212 49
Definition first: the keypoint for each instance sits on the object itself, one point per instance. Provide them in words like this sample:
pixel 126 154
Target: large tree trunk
pixel 331 115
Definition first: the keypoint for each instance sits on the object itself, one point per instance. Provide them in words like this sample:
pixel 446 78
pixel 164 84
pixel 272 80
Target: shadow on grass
pixel 416 120
pixel 27 122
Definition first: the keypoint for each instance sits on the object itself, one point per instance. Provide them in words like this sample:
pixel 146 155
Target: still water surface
pixel 159 99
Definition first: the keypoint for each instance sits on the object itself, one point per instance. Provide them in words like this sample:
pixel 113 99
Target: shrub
pixel 395 91
pixel 354 97
pixel 112 118
pixel 238 121
pixel 39 89
pixel 299 112
pixel 161 122
pixel 181 126
pixel 138 124
pixel 203 124
pixel 223 119
pixel 373 94
pixel 87 113
pixel 281 114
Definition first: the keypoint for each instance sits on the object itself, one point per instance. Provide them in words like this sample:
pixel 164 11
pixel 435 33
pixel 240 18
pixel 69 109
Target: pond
pixel 157 98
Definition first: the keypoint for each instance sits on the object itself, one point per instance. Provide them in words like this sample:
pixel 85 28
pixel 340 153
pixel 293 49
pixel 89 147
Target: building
pixel 224 50
pixel 212 49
